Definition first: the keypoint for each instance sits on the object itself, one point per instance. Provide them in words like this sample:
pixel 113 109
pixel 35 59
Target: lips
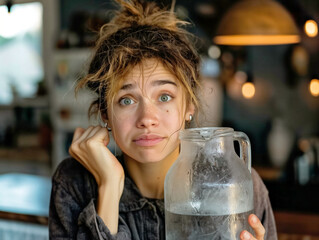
pixel 148 140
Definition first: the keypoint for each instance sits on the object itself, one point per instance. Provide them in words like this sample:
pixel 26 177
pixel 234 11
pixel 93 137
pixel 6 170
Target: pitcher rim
pixel 204 133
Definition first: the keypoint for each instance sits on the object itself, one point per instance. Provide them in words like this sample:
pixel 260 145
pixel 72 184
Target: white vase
pixel 279 142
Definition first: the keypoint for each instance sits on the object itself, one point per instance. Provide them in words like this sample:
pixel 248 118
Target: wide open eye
pixel 165 98
pixel 126 101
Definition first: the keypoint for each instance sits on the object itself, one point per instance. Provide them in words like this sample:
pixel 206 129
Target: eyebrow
pixel 154 83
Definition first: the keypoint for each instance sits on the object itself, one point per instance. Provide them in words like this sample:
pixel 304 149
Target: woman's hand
pixel 258 228
pixel 89 148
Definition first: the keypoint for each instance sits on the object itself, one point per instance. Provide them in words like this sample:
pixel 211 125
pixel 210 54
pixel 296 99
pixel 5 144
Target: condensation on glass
pixel 209 189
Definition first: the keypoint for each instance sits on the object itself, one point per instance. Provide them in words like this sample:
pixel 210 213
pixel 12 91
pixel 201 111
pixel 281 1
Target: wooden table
pixel 25 197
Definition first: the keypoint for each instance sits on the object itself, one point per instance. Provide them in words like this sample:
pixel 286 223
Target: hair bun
pixel 141 13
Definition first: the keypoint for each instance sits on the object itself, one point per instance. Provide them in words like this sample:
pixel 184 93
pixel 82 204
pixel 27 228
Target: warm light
pixel 240 40
pixel 311 28
pixel 214 52
pixel 248 90
pixel 240 77
pixel 314 87
pixel 257 22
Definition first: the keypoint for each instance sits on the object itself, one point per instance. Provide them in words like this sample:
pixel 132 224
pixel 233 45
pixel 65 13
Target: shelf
pixel 71 124
pixel 67 111
pixel 37 102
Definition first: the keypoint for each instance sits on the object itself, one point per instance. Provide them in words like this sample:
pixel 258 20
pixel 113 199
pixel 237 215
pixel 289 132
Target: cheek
pixel 173 116
pixel 118 117
pixel 120 128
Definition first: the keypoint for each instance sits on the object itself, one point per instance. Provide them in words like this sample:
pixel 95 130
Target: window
pixel 21 65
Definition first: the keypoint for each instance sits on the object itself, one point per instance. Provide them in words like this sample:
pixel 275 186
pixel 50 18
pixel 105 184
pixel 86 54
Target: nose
pixel 147 115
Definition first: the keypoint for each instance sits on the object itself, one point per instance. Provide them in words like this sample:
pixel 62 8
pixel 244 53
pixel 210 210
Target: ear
pixel 104 116
pixel 105 120
pixel 190 111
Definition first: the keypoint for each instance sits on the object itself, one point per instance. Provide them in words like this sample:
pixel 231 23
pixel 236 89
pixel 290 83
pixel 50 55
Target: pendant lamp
pixel 257 22
pixel 9 5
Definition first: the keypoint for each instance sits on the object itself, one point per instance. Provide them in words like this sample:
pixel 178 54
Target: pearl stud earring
pixel 106 126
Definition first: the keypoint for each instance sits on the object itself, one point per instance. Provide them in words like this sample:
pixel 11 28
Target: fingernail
pixel 246 235
pixel 254 219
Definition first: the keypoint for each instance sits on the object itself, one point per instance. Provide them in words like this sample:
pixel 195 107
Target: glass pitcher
pixel 208 191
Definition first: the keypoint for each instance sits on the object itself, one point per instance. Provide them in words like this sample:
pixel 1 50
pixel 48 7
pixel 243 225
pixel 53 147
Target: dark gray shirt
pixel 73 208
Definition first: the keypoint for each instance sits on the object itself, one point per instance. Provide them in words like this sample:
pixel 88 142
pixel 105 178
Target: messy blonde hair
pixel 140 30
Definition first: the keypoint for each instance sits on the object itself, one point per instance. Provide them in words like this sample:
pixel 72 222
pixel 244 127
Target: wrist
pixel 108 205
pixel 111 187
pixel 113 178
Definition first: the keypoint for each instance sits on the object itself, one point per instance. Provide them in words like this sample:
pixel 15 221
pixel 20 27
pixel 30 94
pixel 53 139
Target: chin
pixel 148 157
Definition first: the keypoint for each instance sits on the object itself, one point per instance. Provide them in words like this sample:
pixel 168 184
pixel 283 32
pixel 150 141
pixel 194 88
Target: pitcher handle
pixel 244 146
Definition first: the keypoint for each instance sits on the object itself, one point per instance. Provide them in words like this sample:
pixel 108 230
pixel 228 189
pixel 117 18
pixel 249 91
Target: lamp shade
pixel 257 22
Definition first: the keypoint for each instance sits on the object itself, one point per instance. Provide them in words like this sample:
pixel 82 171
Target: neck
pixel 150 177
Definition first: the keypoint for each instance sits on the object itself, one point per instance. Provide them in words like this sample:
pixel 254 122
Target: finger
pixel 85 134
pixel 78 136
pixel 77 133
pixel 257 226
pixel 73 153
pixel 93 132
pixel 101 135
pixel 245 235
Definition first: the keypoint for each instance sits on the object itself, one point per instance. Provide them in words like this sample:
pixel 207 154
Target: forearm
pixel 108 205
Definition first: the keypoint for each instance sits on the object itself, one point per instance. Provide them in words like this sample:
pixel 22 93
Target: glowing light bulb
pixel 248 90
pixel 214 52
pixel 240 77
pixel 311 28
pixel 314 87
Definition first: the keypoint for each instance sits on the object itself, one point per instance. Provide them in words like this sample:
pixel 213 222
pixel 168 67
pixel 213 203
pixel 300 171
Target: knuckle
pixel 71 152
pixel 77 129
pixel 261 231
pixel 82 145
pixel 73 148
pixel 90 143
pixel 73 155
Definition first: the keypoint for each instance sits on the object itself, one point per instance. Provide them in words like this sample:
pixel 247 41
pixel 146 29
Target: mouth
pixel 148 140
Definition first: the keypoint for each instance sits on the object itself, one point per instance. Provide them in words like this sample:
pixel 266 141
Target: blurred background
pixel 265 85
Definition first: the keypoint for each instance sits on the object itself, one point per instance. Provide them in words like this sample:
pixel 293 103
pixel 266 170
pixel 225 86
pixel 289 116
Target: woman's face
pixel 147 113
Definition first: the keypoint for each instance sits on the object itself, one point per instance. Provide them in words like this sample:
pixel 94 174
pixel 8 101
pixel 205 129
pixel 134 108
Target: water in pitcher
pixel 209 189
pixel 201 227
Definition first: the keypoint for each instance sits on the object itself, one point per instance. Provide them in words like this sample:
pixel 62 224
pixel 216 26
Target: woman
pixel 145 74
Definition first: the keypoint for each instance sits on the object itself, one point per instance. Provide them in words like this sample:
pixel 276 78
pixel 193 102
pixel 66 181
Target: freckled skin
pixel 144 113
